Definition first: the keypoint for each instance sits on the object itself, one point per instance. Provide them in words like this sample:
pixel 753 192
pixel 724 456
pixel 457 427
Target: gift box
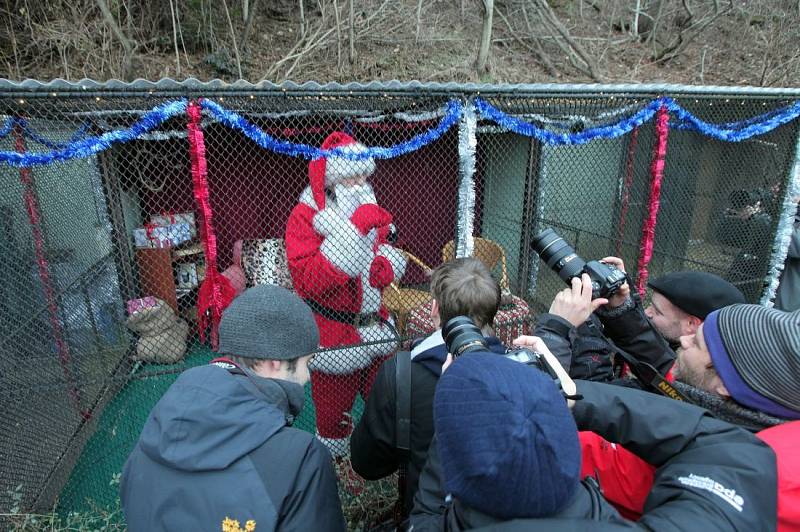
pixel 187 275
pixel 162 236
pixel 165 220
pixel 135 305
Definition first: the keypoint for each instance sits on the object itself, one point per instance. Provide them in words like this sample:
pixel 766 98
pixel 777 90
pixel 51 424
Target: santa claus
pixel 340 259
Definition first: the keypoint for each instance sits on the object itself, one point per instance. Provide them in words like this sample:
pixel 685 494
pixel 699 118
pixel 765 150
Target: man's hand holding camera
pixel 624 292
pixel 575 304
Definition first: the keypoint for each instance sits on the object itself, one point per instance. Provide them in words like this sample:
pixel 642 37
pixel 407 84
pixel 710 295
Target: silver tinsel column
pixel 465 217
pixel 783 235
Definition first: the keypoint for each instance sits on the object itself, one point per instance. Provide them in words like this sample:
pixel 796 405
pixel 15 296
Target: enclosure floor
pixel 94 483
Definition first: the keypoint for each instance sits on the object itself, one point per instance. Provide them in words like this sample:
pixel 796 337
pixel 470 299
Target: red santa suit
pixel 340 262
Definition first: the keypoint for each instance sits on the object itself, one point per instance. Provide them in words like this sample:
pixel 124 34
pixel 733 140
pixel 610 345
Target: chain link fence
pixel 102 256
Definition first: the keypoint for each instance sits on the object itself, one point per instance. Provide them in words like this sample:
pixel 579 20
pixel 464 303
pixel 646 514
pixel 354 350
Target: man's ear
pixel 435 309
pixel 720 389
pixel 435 318
pixel 694 323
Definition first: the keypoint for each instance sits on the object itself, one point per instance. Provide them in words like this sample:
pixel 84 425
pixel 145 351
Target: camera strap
pixel 650 376
pixel 402 430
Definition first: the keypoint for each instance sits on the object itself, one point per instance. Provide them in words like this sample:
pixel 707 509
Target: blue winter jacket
pixel 219 445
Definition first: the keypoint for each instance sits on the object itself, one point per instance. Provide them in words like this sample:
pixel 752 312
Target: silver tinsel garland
pixel 465 217
pixel 783 235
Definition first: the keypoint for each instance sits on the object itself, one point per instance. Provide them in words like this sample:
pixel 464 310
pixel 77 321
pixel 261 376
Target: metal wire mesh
pixel 85 355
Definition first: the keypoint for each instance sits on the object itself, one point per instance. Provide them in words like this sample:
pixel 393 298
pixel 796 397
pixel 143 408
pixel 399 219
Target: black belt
pixel 342 316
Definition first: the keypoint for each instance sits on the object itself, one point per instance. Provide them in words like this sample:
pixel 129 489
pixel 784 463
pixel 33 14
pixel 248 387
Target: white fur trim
pixel 370 296
pixel 349 359
pixel 307 198
pixel 338 447
pixel 330 221
pixel 396 258
pixel 343 245
pixel 339 168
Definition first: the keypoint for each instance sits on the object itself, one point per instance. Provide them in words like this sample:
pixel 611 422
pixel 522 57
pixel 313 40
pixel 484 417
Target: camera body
pixel 461 336
pixel 562 259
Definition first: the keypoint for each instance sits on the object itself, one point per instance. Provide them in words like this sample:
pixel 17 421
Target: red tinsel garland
pixel 656 176
pixel 34 219
pixel 216 291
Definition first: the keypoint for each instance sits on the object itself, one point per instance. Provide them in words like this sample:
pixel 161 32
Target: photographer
pixel 507 456
pixel 680 303
pixel 219 445
pixel 460 287
pixel 748 376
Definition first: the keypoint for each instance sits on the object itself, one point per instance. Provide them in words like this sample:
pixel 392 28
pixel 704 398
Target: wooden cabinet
pixel 172 274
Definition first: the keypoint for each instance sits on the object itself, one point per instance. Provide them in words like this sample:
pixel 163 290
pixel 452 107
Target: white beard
pixel 351 197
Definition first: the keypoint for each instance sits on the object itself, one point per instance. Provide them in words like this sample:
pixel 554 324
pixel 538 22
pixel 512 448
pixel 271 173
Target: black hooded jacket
pixel 711 475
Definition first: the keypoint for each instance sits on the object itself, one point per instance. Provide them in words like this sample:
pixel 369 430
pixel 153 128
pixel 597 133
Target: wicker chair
pixel 401 301
pixel 511 320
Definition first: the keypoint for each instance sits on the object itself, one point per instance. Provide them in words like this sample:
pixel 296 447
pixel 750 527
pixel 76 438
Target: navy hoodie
pixel 220 446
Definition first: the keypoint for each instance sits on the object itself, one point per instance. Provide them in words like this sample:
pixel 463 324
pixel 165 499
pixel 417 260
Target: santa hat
pixel 324 172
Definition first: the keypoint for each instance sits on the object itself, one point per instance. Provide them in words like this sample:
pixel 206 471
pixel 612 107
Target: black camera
pixel 562 259
pixel 461 335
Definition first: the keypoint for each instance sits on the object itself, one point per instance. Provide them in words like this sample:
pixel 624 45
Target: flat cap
pixel 697 293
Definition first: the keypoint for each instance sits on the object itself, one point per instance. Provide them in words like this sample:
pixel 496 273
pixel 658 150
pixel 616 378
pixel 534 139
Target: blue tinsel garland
pixel 257 135
pixel 743 130
pixel 89 146
pixel 7 127
pixel 78 147
pixel 521 127
pixel 32 134
pixel 732 132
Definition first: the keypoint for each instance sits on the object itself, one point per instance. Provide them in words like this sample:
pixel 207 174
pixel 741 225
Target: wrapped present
pixel 135 305
pixel 187 275
pixel 167 219
pixel 153 236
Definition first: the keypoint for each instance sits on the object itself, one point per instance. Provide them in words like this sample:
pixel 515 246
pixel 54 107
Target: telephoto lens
pixel 461 336
pixel 558 255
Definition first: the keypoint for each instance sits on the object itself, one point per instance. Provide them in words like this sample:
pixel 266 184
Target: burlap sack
pixel 152 320
pixel 166 347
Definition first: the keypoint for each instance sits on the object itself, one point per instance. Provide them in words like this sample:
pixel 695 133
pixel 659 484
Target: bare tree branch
pixel 175 38
pixel 540 54
pixel 569 46
pixel 338 23
pixel 129 45
pixel 486 35
pixel 351 57
pixel 419 20
pixel 233 37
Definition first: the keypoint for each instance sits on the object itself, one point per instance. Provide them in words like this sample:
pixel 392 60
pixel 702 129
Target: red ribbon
pixel 209 300
pixel 170 215
pixel 148 229
pixel 34 219
pixel 656 176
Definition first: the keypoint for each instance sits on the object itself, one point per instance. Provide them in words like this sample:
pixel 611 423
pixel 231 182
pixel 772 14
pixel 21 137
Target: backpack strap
pixel 403 397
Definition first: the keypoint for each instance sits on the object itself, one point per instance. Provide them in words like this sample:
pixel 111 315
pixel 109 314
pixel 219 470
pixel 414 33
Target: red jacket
pixel 625 479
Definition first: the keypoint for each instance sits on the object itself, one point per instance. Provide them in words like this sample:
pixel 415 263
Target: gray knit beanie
pixel 269 322
pixel 756 352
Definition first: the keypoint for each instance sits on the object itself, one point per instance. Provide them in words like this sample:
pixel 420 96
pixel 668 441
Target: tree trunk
pixel 486 36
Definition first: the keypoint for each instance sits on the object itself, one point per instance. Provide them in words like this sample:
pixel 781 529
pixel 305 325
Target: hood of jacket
pixel 431 352
pixel 209 418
